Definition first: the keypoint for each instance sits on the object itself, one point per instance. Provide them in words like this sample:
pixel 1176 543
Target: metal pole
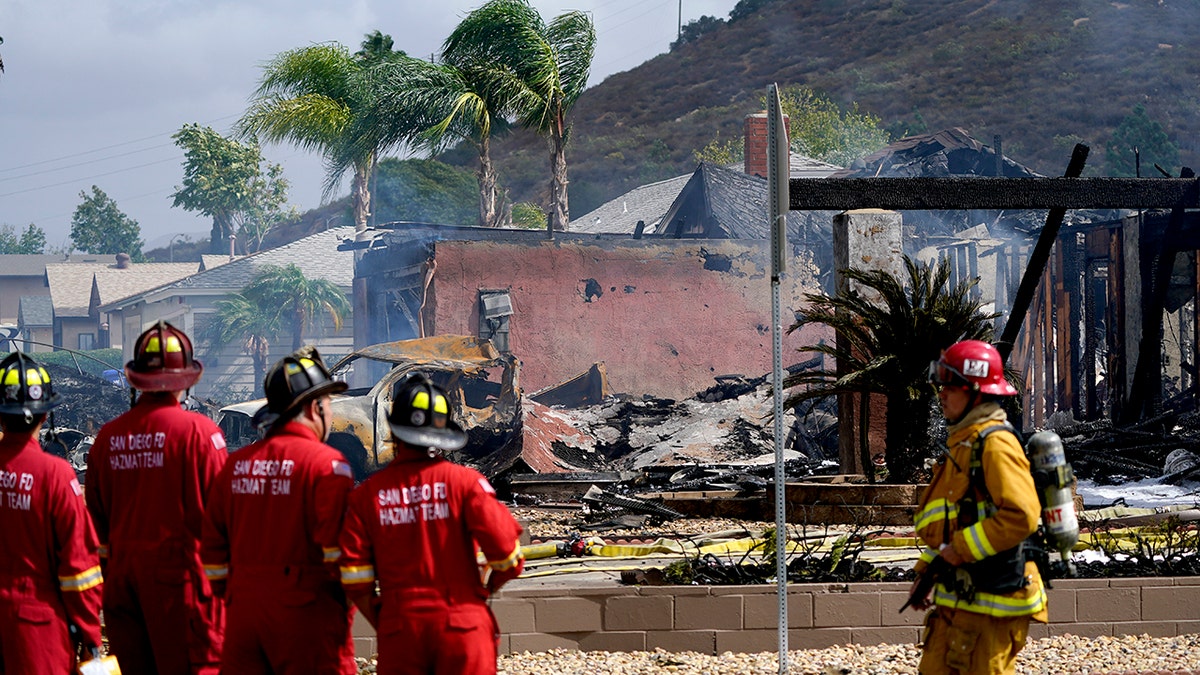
pixel 777 208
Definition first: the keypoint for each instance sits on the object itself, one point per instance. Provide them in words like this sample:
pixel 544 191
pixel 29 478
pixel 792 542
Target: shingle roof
pixel 316 255
pixel 35 311
pixel 210 261
pixel 71 286
pixel 647 203
pixel 71 283
pixel 114 283
pixel 17 265
pixel 737 203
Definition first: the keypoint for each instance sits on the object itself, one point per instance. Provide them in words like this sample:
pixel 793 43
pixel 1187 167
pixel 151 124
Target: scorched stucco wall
pixel 666 318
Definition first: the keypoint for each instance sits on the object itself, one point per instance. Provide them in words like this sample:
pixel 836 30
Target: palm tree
pixel 240 318
pixel 296 299
pixel 885 345
pixel 311 97
pixel 535 70
pixel 436 105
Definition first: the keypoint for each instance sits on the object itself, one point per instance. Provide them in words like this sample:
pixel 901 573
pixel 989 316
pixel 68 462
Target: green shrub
pixel 92 362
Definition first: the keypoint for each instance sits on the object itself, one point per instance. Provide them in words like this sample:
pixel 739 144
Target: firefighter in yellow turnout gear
pixel 980 507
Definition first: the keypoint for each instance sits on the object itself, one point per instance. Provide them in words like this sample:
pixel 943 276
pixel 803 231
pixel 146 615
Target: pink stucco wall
pixel 665 318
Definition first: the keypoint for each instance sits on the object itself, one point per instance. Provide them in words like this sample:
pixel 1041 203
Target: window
pixel 87 341
pixel 495 310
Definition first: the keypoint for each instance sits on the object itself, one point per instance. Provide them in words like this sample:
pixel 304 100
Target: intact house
pixel 75 288
pixel 190 304
pixel 35 323
pixel 24 292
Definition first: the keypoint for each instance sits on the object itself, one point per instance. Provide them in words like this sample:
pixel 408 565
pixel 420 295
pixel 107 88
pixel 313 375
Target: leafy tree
pixel 1138 131
pixel 296 299
pixel 277 301
pixel 424 190
pixel 436 105
pixel 885 346
pixel 528 216
pixel 32 240
pixel 695 29
pixel 821 130
pixel 722 154
pixel 239 318
pixel 225 180
pixel 745 8
pixel 98 226
pixel 315 97
pixel 818 128
pixel 266 210
pixel 540 68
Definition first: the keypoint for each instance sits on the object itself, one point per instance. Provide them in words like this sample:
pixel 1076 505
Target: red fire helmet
pixel 972 363
pixel 162 360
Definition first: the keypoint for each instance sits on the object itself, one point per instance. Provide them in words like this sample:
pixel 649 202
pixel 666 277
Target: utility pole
pixel 679 32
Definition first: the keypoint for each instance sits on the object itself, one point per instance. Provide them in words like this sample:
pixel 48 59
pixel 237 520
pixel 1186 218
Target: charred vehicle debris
pixel 558 442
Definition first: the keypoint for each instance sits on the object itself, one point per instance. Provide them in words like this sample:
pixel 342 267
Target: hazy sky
pixel 93 89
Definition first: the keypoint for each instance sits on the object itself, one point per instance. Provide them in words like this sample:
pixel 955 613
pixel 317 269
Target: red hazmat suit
pixel 49 561
pixel 416 527
pixel 149 473
pixel 270 538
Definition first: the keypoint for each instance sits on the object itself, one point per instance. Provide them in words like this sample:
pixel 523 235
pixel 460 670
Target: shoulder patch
pixel 487 487
pixel 76 487
pixel 341 468
pixel 218 440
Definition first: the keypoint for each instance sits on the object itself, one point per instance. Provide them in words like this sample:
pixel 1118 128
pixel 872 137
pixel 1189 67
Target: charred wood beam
pixel 1145 397
pixel 933 194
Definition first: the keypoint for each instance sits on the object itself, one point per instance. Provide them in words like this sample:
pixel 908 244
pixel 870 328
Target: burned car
pixel 481 383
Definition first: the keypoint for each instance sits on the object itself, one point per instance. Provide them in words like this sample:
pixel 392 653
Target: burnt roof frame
pixel 959 193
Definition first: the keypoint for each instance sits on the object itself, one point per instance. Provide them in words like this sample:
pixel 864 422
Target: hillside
pixel 1042 75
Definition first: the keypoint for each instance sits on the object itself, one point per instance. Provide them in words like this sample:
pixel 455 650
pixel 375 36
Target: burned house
pixel 665 315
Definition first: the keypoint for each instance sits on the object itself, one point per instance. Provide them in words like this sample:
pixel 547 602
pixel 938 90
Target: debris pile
pixel 1167 446
pixel 720 439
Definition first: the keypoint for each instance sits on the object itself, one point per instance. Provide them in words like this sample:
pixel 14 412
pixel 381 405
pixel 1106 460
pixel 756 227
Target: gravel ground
pixel 1142 655
pixel 1057 655
pixel 1066 654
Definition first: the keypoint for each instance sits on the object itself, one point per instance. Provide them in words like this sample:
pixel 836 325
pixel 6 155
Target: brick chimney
pixel 755 130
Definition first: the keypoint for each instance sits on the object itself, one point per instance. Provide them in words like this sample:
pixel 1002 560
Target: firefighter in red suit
pixel 50 579
pixel 271 533
pixel 415 528
pixel 149 473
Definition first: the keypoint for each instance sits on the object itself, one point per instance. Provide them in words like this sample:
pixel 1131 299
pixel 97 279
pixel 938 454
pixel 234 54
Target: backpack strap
pixel 975 470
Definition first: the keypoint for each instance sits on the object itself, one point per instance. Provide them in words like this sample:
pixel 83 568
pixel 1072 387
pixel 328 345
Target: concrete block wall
pixel 717 619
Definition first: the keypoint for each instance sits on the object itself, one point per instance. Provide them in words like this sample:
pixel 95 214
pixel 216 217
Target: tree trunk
pixel 362 197
pixel 559 210
pixel 486 175
pixel 222 227
pixel 908 442
pixel 298 327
